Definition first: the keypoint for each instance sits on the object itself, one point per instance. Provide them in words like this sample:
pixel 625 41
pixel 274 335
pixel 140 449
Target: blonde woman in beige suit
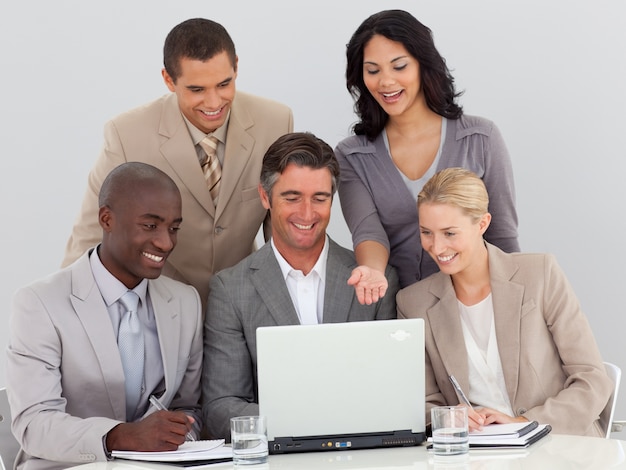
pixel 200 69
pixel 507 325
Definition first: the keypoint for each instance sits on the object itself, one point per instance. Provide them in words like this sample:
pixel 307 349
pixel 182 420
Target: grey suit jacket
pixel 552 366
pixel 212 238
pixel 252 294
pixel 65 380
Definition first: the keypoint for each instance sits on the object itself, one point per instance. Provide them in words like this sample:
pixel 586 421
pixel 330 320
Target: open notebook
pixel 342 385
pixel 193 452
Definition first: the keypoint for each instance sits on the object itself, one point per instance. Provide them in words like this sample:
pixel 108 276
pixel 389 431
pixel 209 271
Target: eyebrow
pixel 196 87
pixel 159 218
pixel 293 192
pixel 452 227
pixel 369 62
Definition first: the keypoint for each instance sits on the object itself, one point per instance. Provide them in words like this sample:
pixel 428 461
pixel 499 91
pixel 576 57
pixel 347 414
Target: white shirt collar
pixel 319 268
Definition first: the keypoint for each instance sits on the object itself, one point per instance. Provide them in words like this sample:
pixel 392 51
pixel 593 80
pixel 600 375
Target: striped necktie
pixel 211 166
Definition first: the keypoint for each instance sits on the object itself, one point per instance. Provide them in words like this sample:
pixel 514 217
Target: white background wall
pixel 552 75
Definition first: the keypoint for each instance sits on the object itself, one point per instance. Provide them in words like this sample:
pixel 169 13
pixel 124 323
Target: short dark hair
pixel 304 150
pixel 198 39
pixel 436 79
pixel 123 180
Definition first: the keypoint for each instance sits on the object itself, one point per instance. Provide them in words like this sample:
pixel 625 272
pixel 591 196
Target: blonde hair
pixel 457 187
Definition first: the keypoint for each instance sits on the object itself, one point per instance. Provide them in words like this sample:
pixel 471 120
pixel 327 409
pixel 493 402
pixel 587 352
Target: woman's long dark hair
pixel 436 80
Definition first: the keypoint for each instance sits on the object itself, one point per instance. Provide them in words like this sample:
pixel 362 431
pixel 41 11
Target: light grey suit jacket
pixel 212 238
pixel 552 366
pixel 252 294
pixel 65 380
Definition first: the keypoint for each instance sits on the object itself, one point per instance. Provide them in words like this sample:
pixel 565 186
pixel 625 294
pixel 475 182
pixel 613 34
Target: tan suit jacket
pixel 211 238
pixel 552 366
pixel 65 380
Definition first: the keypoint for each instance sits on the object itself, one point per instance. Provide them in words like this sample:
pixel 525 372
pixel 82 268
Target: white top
pixel 306 292
pixel 487 386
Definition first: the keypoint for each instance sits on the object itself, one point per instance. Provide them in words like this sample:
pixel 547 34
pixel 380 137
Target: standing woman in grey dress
pixel 410 127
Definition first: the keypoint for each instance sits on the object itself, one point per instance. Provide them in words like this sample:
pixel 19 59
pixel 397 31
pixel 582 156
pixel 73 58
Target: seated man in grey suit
pixel 75 391
pixel 298 277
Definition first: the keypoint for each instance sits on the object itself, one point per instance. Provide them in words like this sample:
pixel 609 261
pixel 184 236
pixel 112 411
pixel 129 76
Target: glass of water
pixel 248 435
pixel 450 430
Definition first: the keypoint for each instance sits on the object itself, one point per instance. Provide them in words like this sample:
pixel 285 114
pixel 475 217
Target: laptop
pixel 341 386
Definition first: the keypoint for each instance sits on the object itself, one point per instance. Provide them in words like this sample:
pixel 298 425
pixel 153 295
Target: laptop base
pixel 286 445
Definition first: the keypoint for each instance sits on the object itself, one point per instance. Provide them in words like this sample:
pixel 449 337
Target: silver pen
pixel 159 406
pixel 459 391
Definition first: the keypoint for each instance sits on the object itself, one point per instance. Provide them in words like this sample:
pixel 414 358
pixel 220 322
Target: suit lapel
pixel 338 296
pixel 507 305
pixel 168 326
pixel 447 330
pixel 238 151
pixel 92 312
pixel 178 149
pixel 268 281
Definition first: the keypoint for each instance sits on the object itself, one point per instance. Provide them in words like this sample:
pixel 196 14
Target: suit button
pixel 521 411
pixel 218 230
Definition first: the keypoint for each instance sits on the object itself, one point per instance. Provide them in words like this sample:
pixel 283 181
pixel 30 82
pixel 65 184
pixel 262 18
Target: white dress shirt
pixel 307 292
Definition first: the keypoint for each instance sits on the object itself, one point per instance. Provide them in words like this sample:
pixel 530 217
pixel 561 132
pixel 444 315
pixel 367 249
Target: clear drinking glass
pixel 450 430
pixel 248 436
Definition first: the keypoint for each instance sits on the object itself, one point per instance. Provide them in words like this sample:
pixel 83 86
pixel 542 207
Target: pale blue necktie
pixel 130 342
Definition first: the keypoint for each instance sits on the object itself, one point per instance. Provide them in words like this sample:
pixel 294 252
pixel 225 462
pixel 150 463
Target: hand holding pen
pixel 159 406
pixel 472 414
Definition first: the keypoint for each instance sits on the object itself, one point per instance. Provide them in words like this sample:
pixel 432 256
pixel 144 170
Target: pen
pixel 159 406
pixel 459 391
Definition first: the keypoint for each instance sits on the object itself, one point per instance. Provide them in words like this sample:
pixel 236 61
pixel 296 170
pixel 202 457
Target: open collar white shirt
pixel 306 292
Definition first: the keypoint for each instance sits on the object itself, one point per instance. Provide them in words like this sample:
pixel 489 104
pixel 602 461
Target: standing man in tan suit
pixel 200 69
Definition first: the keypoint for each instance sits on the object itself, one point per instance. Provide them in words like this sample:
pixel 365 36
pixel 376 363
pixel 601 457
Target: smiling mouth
pixel 303 227
pixel 392 95
pixel 445 259
pixel 155 258
pixel 212 113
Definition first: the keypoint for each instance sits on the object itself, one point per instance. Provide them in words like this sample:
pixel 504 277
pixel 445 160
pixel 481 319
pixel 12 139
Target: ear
pixel 169 81
pixel 265 199
pixel 484 222
pixel 106 217
pixel 236 65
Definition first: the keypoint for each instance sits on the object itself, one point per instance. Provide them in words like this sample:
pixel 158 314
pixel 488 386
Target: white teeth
pixel 212 113
pixel 156 258
pixel 446 258
pixel 303 227
pixel 389 95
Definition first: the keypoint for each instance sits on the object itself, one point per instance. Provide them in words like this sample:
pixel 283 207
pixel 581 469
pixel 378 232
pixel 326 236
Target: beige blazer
pixel 211 238
pixel 65 380
pixel 552 366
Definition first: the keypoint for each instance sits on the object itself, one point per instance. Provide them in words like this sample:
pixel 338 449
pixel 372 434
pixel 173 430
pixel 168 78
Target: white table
pixel 554 452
